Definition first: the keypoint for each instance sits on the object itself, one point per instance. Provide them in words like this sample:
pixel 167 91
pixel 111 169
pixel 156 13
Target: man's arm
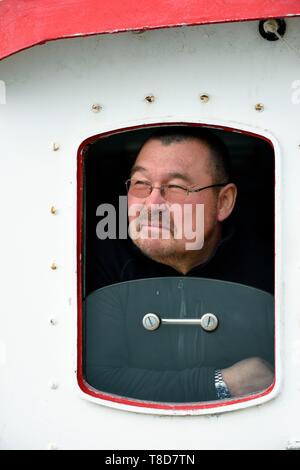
pixel 108 367
pixel 248 376
pixel 187 385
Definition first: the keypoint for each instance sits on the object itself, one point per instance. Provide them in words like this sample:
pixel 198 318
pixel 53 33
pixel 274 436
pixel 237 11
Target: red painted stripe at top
pixel 24 23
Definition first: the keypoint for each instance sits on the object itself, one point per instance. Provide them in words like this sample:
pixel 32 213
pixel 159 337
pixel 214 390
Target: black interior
pixel 109 159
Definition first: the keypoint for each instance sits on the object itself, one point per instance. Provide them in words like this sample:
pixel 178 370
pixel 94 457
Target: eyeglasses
pixel 170 192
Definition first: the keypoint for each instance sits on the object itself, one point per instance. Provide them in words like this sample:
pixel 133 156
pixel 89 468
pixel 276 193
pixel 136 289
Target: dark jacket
pixel 174 363
pixel 238 258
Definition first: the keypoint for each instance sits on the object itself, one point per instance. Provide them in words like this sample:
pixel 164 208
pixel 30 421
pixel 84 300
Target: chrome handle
pixel 208 321
pixel 181 321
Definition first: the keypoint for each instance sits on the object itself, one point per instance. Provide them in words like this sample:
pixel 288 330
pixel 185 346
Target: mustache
pixel 156 218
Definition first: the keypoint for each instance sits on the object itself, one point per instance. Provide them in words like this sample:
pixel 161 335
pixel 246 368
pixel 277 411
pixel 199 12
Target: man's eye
pixel 140 183
pixel 176 188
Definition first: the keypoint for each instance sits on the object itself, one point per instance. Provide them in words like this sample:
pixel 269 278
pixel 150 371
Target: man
pixel 186 166
pixel 228 254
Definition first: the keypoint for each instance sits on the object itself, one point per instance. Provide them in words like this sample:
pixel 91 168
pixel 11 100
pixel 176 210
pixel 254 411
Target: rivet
pixel 150 98
pixel 96 108
pixel 53 266
pixel 204 98
pixel 53 210
pixel 53 321
pixel 259 107
pixel 54 385
pixel 55 146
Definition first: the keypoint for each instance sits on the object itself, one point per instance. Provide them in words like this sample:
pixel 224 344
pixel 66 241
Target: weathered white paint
pixel 50 90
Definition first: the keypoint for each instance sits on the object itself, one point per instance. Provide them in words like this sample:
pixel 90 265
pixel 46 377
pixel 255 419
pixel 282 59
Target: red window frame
pixel 84 386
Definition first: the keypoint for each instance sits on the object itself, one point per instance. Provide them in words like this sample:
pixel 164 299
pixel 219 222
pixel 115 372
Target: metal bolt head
pixel 55 146
pixel 54 385
pixel 272 29
pixel 209 322
pixel 52 321
pixel 150 98
pixel 259 107
pixel 96 108
pixel 204 98
pixel 151 321
pixel 54 266
pixel 271 26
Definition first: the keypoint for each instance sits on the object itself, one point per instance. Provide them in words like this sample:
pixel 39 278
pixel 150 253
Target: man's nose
pixel 155 197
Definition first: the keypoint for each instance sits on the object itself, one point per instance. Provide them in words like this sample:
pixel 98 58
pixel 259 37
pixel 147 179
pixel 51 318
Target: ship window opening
pixel 151 333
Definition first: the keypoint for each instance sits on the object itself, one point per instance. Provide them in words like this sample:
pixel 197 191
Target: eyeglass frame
pixel 161 187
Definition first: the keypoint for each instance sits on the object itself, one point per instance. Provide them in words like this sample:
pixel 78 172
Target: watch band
pixel 222 391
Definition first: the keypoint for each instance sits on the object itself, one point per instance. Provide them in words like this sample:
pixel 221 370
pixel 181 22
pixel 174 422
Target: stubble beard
pixel 173 252
pixel 160 250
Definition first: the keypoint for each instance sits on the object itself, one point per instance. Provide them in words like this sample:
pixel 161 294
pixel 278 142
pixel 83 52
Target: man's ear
pixel 226 201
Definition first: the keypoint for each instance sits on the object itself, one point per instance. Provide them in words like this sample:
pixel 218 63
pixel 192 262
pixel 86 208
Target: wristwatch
pixel 222 391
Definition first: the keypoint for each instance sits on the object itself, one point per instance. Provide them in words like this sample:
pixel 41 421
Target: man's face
pixel 186 164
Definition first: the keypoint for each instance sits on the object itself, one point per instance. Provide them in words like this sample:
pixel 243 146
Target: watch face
pixel 221 387
pixel 222 392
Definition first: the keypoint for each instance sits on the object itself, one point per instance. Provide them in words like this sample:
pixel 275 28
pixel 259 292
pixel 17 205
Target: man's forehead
pixel 177 160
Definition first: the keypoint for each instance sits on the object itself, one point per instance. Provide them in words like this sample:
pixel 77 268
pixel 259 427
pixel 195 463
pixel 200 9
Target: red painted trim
pixel 25 23
pixel 80 164
pixel 84 386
